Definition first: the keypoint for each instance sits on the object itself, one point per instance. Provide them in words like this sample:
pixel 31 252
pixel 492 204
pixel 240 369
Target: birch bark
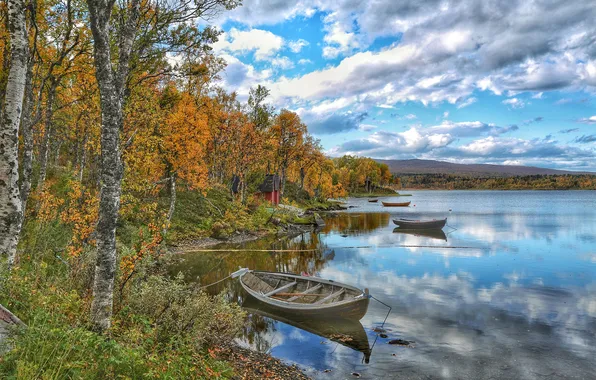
pixel 11 215
pixel 111 87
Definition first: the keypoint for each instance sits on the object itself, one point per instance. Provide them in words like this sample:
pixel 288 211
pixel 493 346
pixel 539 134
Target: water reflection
pixel 347 332
pixel 517 301
pixel 430 233
pixel 356 223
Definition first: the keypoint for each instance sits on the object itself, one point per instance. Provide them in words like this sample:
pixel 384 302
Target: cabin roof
pixel 271 183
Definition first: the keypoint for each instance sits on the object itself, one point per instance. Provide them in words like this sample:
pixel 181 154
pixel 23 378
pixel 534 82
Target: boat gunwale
pixel 396 204
pixel 301 306
pixel 407 224
pixel 419 220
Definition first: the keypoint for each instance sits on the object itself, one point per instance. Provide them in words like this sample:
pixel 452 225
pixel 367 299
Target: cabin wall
pixel 272 197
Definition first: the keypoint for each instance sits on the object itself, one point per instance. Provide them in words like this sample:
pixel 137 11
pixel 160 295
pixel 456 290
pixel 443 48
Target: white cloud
pixel 563 101
pixel 514 103
pixel 262 42
pixel 469 129
pixel 296 46
pixel 338 39
pixel 304 61
pixel 385 143
pixel 410 116
pixel 445 114
pixel 282 62
pixel 366 127
pixel 588 120
pixel 538 95
pixel 239 77
pixel 467 102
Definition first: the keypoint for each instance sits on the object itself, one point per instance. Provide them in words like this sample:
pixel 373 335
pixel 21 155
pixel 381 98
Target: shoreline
pixel 433 189
pixel 251 364
pixel 283 230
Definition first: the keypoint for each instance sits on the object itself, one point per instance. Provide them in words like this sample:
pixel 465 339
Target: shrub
pixel 179 313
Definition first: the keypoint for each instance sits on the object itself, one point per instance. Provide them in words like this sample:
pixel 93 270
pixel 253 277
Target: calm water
pixel 516 300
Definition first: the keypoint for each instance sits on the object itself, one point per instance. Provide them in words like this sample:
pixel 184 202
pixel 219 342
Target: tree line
pixel 529 182
pixel 124 98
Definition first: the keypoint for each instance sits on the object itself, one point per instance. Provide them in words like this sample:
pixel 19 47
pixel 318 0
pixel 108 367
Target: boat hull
pixel 349 309
pixel 398 204
pixel 408 224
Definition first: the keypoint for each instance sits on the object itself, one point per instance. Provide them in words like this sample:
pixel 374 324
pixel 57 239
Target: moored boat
pixel 413 224
pixel 305 296
pixel 396 204
pixel 373 200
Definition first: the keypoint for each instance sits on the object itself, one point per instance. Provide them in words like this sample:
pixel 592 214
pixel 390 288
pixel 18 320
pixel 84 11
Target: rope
pixel 453 229
pixel 247 250
pixel 216 282
pixel 413 246
pixel 382 324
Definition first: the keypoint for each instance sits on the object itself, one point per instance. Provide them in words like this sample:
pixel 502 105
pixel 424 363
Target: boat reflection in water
pixel 429 233
pixel 347 332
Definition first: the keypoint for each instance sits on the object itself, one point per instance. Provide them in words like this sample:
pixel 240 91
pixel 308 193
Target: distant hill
pixel 416 166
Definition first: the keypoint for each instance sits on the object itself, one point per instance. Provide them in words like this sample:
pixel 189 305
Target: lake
pixel 508 291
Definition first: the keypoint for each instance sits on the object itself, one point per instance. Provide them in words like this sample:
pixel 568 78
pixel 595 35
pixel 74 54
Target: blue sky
pixel 461 81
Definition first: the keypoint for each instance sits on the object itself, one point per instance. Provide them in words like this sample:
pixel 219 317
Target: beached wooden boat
pixel 347 332
pixel 413 224
pixel 429 233
pixel 373 200
pixel 305 296
pixel 396 204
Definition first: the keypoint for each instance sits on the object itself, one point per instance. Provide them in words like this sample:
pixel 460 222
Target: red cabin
pixel 270 188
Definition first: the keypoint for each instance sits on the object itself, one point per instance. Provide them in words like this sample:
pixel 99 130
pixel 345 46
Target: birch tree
pixel 113 80
pixel 10 200
pixel 111 87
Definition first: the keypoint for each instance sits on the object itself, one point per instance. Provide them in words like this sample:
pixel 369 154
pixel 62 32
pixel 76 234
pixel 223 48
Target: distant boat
pixel 305 296
pixel 411 224
pixel 397 204
pixel 429 233
pixel 347 332
pixel 373 200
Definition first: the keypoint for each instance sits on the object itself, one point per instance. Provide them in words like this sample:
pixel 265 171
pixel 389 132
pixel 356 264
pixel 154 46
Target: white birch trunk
pixel 11 215
pixel 111 90
pixel 27 135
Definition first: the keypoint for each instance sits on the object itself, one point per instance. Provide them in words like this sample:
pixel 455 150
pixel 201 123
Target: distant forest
pixel 530 182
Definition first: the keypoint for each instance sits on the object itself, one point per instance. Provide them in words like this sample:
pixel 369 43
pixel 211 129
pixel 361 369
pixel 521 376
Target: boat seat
pixel 286 286
pixel 256 283
pixel 307 291
pixel 330 297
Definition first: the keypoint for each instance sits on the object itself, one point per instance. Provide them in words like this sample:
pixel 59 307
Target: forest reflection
pixel 356 223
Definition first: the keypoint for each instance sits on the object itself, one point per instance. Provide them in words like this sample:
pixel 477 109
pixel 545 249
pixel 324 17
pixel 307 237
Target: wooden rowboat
pixel 305 296
pixel 397 204
pixel 373 200
pixel 412 224
pixel 347 332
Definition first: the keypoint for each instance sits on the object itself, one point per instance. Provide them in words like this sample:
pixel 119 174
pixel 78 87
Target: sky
pixel 469 81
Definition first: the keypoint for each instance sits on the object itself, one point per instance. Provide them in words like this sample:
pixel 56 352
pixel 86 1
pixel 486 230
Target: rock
pixel 319 221
pixel 355 374
pixel 379 330
pixel 400 342
pixel 384 336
